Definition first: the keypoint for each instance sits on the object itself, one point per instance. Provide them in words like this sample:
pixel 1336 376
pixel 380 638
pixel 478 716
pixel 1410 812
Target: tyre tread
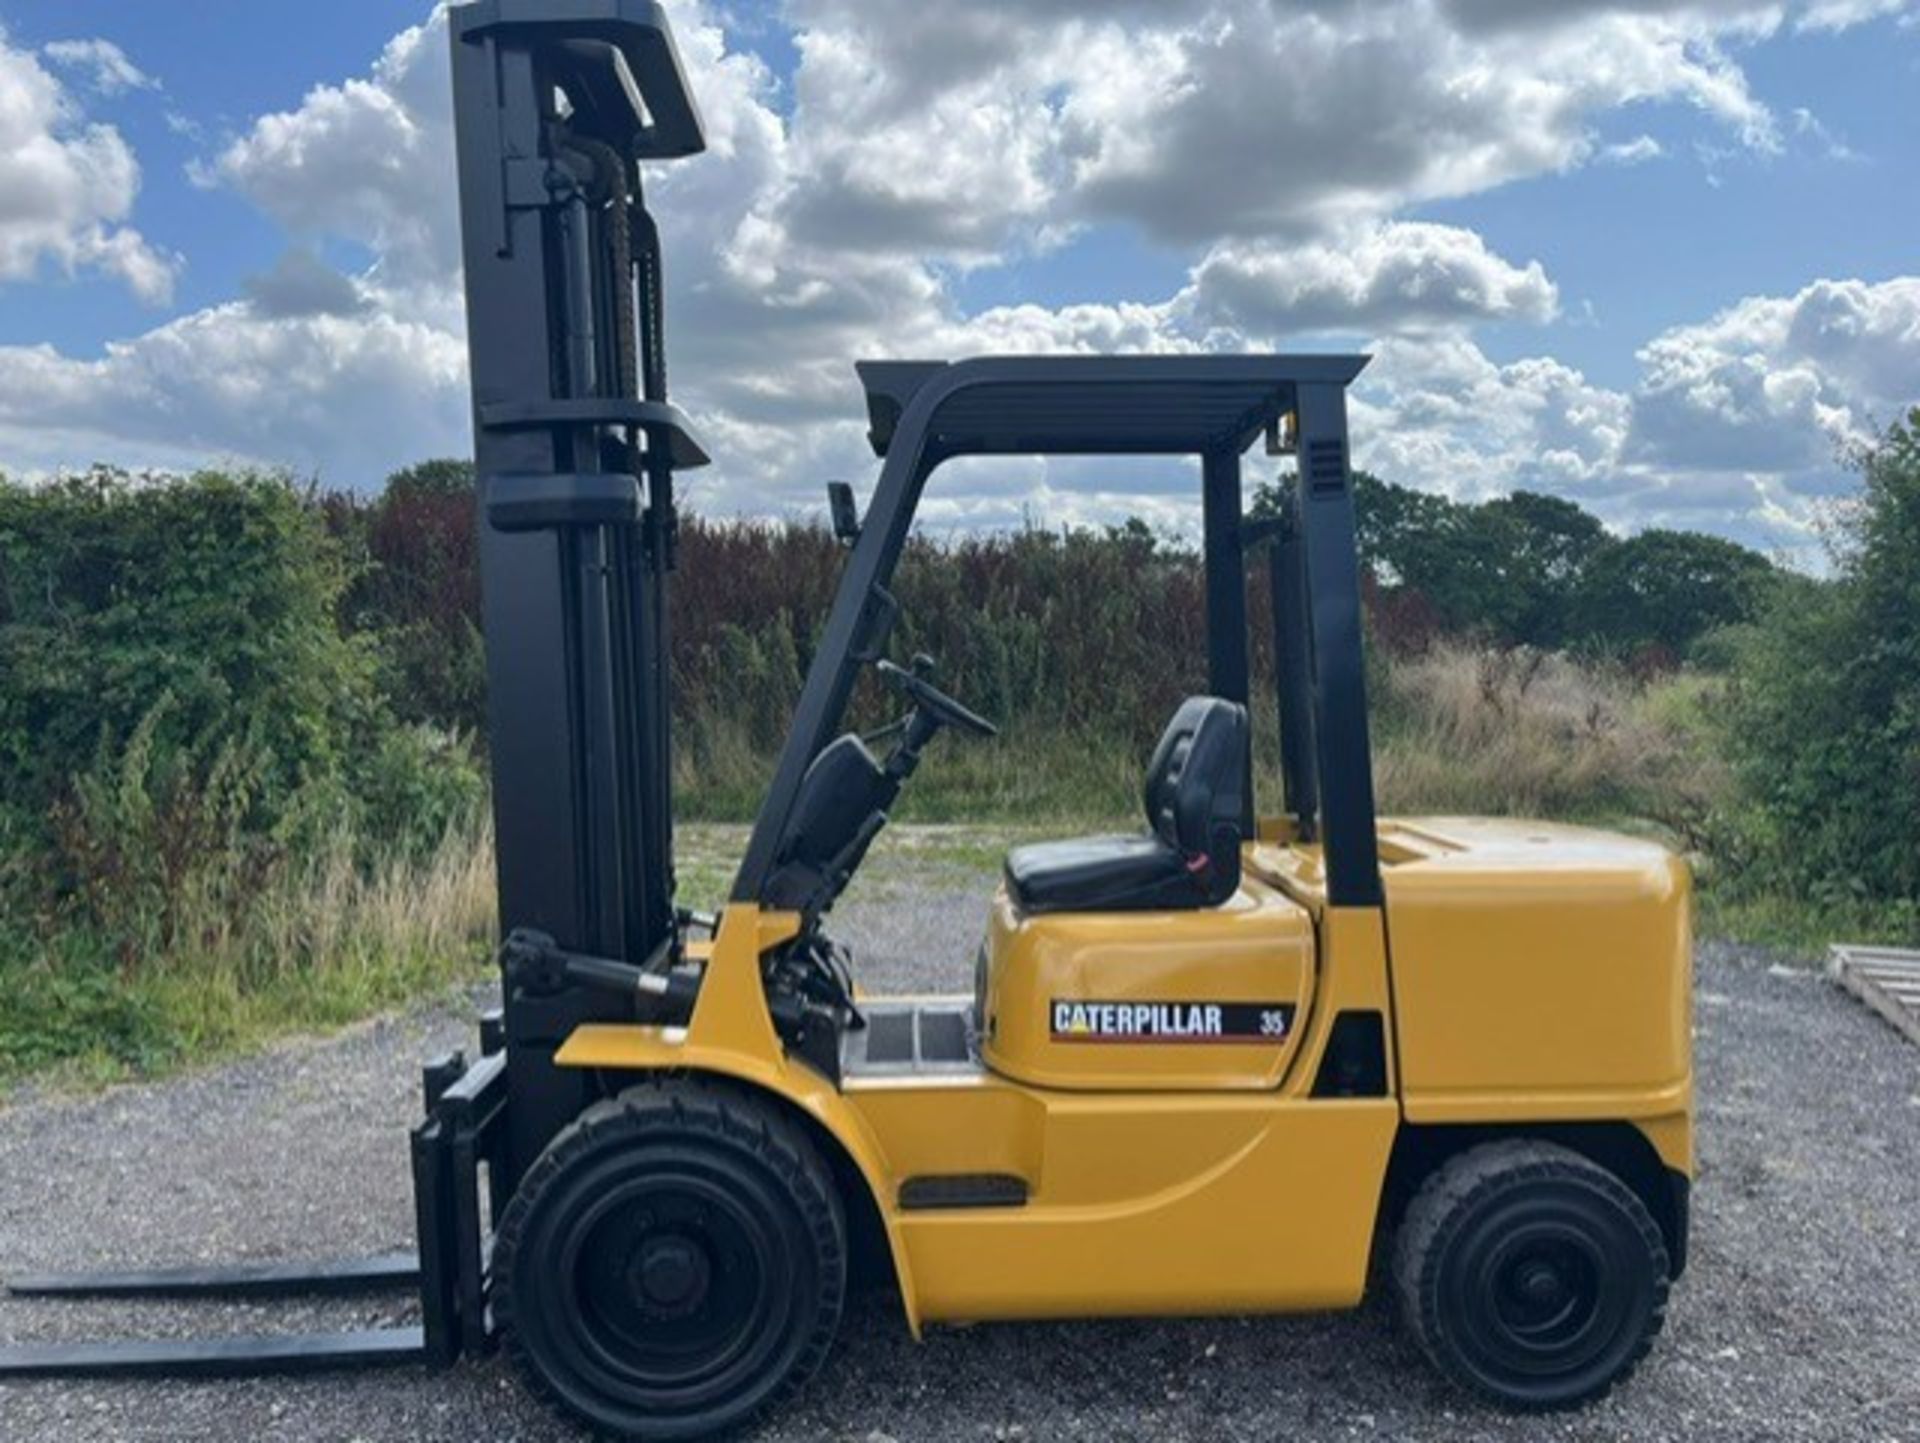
pixel 1441 1208
pixel 699 1106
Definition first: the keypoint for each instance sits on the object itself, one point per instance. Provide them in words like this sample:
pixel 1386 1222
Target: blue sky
pixel 1658 258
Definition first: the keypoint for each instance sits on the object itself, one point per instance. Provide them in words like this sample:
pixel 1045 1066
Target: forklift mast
pixel 575 445
pixel 556 104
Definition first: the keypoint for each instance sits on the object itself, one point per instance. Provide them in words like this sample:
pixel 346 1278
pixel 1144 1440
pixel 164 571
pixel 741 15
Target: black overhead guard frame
pixel 923 413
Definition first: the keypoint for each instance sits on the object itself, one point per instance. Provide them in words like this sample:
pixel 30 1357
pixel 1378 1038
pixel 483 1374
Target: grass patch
pixel 327 942
pixel 1798 925
pixel 1527 733
pixel 1458 729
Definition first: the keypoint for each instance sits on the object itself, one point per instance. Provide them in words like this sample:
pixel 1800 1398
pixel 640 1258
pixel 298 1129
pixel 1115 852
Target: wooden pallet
pixel 1887 979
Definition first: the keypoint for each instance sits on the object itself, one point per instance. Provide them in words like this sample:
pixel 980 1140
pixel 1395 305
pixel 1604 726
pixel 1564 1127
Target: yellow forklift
pixel 1236 1060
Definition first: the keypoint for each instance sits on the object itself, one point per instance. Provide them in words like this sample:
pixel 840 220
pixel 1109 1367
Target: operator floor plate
pixel 912 1037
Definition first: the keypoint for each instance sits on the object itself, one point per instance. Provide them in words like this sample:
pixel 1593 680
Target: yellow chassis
pixel 1206 1201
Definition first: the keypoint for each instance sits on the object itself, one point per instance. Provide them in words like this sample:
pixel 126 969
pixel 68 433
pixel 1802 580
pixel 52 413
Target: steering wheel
pixel 934 702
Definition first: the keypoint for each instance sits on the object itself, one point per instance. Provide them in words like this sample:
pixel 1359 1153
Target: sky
pixel 1656 258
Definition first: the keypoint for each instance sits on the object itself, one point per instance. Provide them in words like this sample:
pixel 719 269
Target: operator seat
pixel 1190 855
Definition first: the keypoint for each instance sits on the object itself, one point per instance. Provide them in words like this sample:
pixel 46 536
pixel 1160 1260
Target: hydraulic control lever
pixel 537 963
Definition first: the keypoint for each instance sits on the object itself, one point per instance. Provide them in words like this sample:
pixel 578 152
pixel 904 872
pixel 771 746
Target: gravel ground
pixel 1799 1318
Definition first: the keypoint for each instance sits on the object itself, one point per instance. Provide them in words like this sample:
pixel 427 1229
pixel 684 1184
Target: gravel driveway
pixel 1799 1318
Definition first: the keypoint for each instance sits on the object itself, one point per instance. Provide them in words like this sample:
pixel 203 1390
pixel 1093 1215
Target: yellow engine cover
pixel 1211 998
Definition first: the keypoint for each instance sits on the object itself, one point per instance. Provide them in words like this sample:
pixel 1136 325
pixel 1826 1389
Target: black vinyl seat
pixel 1189 857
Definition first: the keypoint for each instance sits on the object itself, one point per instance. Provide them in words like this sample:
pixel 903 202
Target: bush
pixel 207 807
pixel 1822 723
pixel 215 595
pixel 416 593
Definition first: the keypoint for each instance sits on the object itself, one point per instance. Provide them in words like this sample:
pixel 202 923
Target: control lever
pixel 539 964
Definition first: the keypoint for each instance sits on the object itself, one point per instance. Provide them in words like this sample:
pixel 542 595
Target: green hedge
pixel 1821 725
pixel 184 712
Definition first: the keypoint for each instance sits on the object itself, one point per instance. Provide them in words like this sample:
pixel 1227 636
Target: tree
pixel 1536 570
pixel 1505 568
pixel 1392 524
pixel 1668 588
pixel 418 591
pixel 1552 542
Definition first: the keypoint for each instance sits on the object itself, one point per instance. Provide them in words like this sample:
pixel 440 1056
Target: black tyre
pixel 1530 1274
pixel 674 1264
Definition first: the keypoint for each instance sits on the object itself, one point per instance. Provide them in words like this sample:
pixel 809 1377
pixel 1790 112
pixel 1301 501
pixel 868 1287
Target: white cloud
pixel 1277 147
pixel 953 129
pixel 316 392
pixel 370 159
pixel 1444 416
pixel 1631 152
pixel 108 69
pixel 1401 274
pixel 67 186
pixel 1814 130
pixel 301 284
pixel 1782 384
pixel 1739 424
pixel 1842 14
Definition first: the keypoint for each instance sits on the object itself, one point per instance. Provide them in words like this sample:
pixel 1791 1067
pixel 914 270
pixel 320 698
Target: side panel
pixel 1140 1204
pixel 1556 988
pixel 1215 998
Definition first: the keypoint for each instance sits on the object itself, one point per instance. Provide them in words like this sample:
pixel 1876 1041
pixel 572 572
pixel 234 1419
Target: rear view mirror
pixel 846 516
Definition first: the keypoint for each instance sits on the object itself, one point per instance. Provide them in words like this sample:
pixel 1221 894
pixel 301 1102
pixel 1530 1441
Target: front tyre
pixel 674 1264
pixel 1530 1274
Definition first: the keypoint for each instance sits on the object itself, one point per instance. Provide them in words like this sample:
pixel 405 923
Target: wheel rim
pixel 1544 1291
pixel 672 1285
pixel 1548 1294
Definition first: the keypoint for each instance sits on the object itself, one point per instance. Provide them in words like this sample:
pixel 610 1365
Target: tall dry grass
pixel 334 938
pixel 1465 729
pixel 1456 728
pixel 326 938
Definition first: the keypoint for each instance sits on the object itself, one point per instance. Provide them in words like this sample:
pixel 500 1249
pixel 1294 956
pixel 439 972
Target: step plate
pixel 962 1190
pixel 907 1039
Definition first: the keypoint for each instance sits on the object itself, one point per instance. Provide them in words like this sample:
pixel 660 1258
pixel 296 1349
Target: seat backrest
pixel 1196 788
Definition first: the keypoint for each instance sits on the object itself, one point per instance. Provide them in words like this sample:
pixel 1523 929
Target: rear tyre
pixel 674 1265
pixel 1531 1275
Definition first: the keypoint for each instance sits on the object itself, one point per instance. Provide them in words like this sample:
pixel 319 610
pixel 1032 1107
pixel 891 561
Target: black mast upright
pixel 555 104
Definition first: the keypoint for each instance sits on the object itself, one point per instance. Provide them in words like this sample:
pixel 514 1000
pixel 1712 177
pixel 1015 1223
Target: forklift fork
pixel 462 1131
